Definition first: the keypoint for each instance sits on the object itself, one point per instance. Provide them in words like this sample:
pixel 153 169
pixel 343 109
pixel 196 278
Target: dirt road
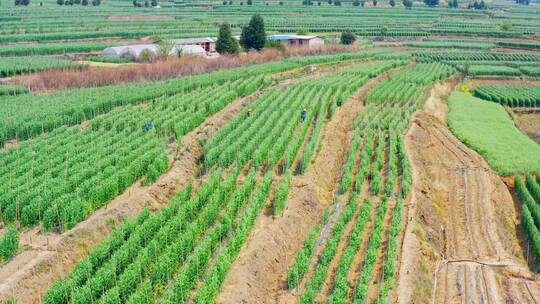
pixel 460 244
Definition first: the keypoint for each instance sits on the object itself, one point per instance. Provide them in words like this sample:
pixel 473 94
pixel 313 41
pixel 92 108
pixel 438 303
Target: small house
pixel 207 43
pixel 298 40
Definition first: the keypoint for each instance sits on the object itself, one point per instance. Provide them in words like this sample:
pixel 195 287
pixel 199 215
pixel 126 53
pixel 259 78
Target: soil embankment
pixel 461 244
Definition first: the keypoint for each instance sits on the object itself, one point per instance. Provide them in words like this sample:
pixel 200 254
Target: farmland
pixel 391 158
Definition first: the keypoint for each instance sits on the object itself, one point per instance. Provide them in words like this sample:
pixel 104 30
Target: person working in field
pixel 249 113
pixel 303 115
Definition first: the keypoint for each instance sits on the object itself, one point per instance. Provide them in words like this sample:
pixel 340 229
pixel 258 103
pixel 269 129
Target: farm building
pixel 135 51
pixel 298 40
pixel 207 43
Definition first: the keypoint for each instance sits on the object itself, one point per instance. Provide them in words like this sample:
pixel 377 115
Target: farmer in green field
pixel 249 113
pixel 303 115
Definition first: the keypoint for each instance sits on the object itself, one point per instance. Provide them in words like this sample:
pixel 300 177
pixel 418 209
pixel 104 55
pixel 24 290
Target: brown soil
pixel 259 273
pixel 530 124
pixel 49 257
pixel 460 243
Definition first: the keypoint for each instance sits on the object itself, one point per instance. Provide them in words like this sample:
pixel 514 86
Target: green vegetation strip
pixel 487 128
pixel 510 95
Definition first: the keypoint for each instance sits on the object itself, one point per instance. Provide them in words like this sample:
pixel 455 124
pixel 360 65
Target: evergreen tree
pixel 374 2
pixel 431 2
pixel 84 2
pixel 76 1
pixel 392 3
pixel 225 43
pixel 249 2
pixel 60 2
pixel 96 2
pixel 407 3
pixel 154 3
pixel 253 36
pixel 356 3
pixel 348 37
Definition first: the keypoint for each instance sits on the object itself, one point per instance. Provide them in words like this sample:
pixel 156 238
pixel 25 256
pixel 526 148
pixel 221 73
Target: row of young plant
pixel 269 130
pixel 9 243
pixel 59 178
pixel 154 252
pixel 509 95
pixel 10 66
pixel 12 90
pixel 377 155
pixel 23 117
pixel 474 56
pixel 529 195
pixel 51 48
pixel 408 85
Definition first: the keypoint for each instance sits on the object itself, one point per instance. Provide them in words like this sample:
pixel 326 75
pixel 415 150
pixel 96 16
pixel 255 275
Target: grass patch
pixel 488 129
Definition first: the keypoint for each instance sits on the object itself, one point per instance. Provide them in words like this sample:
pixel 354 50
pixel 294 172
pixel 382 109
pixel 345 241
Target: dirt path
pixel 460 243
pixel 46 258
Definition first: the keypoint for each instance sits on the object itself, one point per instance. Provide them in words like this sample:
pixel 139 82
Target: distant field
pixel 488 129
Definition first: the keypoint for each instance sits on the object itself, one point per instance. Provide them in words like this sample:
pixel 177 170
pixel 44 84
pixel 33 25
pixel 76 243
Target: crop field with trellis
pixel 402 168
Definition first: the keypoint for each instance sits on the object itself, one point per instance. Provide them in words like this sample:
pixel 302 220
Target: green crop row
pixel 10 66
pixel 530 213
pixel 12 90
pixel 9 243
pixel 509 95
pixel 27 116
pixel 50 49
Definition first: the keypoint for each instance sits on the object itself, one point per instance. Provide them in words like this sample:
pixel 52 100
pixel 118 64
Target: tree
pixel 302 31
pixel 374 2
pixel 225 43
pixel 453 4
pixel 407 3
pixel 154 3
pixel 84 2
pixel 165 47
pixel 60 2
pixel 392 3
pixel 348 37
pixel 337 3
pixel 253 36
pixel 96 2
pixel 356 3
pixel 249 2
pixel 76 1
pixel 506 25
pixel 431 2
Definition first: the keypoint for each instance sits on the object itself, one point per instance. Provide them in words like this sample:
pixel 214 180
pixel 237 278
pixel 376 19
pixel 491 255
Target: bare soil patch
pixel 461 243
pixel 530 124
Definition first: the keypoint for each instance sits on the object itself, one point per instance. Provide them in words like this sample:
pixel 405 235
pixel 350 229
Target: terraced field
pixel 403 168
